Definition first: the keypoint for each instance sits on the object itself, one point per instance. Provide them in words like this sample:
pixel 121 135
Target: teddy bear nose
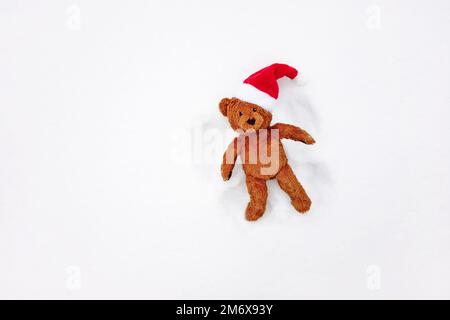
pixel 251 121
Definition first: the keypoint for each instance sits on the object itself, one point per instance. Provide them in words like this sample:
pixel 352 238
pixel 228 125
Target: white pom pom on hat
pixel 261 88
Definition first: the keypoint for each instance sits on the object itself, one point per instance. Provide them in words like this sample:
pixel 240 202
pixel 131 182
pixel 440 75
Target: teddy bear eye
pixel 240 113
pixel 254 109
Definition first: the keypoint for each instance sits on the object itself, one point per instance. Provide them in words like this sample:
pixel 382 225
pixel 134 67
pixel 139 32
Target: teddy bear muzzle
pixel 251 121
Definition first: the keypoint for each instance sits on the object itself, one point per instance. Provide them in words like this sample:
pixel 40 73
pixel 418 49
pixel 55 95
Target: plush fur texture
pixel 258 138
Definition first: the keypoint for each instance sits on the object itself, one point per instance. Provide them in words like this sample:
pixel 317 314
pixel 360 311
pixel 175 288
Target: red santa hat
pixel 261 88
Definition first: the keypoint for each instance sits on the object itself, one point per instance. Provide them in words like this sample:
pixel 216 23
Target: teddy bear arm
pixel 288 131
pixel 229 160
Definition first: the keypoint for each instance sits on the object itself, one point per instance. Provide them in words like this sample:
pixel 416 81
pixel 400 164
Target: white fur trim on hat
pixel 249 93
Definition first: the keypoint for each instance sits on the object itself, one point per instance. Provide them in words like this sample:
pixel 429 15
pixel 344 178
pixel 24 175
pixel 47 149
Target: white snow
pixel 111 142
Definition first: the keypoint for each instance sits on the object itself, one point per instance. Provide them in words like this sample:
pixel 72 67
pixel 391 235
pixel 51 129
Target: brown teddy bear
pixel 259 144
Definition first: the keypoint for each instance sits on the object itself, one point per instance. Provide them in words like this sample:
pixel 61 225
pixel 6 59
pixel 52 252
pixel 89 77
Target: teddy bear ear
pixel 223 105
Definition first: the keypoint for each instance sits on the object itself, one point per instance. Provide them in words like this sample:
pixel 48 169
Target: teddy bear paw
pixel 253 212
pixel 309 140
pixel 302 205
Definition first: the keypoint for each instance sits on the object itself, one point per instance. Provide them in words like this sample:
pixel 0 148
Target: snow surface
pixel 111 143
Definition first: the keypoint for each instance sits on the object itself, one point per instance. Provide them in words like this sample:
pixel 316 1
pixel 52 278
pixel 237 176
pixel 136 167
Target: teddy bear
pixel 259 143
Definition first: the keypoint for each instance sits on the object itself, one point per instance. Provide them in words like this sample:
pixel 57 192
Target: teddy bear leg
pixel 289 183
pixel 257 190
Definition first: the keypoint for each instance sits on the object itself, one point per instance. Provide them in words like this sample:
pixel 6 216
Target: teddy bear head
pixel 243 115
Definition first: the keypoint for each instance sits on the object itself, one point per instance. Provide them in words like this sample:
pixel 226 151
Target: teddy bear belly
pixel 264 167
